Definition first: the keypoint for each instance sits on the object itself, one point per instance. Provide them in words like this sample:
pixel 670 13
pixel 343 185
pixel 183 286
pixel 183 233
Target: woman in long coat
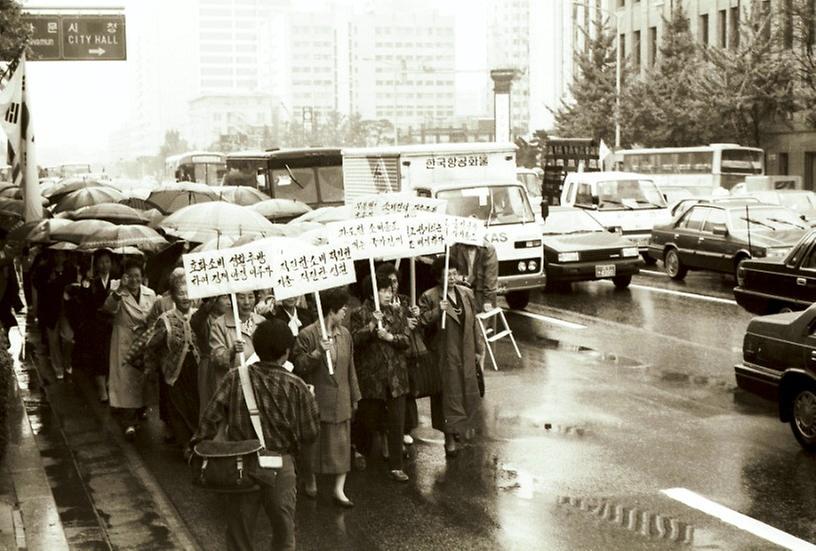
pixel 457 350
pixel 224 344
pixel 380 343
pixel 202 323
pixel 337 395
pixel 98 322
pixel 129 302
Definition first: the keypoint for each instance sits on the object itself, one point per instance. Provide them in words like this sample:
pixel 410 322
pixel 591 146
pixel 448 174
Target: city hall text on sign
pixel 75 37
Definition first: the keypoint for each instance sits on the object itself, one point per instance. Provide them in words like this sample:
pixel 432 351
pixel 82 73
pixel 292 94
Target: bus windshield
pixel 629 194
pixel 496 205
pixel 741 161
pixel 207 173
pixel 764 219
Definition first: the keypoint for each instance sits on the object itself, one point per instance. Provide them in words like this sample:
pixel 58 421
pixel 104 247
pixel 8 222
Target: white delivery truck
pixel 477 179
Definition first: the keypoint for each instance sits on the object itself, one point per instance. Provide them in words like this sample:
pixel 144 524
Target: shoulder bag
pixel 223 466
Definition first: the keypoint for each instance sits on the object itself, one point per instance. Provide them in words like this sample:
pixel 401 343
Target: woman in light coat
pixel 129 302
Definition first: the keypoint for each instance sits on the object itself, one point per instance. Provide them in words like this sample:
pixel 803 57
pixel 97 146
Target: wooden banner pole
pixel 445 282
pixel 238 333
pixel 413 282
pixel 323 331
pixel 374 289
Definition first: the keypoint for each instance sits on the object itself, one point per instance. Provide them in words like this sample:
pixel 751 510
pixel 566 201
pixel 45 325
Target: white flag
pixel 603 152
pixel 15 107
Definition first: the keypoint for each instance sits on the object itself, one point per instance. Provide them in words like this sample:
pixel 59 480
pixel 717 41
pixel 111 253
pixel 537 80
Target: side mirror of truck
pixel 545 209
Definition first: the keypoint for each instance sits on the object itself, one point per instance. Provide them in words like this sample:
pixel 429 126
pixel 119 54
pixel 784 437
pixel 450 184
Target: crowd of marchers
pixel 154 349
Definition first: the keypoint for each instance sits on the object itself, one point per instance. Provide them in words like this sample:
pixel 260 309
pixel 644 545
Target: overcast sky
pixel 77 104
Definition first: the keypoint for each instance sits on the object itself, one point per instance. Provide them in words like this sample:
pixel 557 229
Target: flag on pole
pixel 603 153
pixel 15 108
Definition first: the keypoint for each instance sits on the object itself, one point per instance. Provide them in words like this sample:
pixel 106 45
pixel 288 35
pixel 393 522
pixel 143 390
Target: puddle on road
pixel 609 358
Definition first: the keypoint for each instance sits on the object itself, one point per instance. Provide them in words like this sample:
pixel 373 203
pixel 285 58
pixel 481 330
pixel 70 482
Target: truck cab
pixel 511 229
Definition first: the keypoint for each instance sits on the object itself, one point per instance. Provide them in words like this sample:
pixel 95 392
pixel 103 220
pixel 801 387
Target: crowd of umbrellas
pixel 163 221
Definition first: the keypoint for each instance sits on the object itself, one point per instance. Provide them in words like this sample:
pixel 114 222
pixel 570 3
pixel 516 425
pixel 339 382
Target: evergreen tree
pixel 591 111
pixel 664 109
pixel 13 32
pixel 751 86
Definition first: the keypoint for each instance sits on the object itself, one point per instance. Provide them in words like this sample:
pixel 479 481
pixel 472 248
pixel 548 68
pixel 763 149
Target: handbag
pixel 423 373
pixel 223 466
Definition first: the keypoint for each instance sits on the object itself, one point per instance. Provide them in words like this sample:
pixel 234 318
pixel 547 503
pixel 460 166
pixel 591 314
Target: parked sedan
pixel 579 248
pixel 720 237
pixel 779 363
pixel 785 284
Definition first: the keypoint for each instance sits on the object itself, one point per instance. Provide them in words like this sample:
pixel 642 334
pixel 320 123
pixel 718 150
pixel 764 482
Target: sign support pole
pixel 323 331
pixel 374 289
pixel 238 334
pixel 445 282
pixel 413 281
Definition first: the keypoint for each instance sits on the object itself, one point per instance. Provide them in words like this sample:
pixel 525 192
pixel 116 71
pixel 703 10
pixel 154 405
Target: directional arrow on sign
pixel 97 51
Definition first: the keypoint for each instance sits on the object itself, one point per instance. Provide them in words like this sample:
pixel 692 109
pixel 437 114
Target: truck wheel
pixel 622 281
pixel 673 266
pixel 518 300
pixel 647 259
pixel 803 417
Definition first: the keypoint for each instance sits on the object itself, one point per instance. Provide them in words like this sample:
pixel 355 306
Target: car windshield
pixel 629 194
pixel 765 219
pixel 495 205
pixel 799 202
pixel 570 221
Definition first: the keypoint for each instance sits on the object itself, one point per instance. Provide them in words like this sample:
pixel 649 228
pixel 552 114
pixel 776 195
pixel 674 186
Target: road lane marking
pixel 547 319
pixel 684 294
pixel 743 522
pixel 652 272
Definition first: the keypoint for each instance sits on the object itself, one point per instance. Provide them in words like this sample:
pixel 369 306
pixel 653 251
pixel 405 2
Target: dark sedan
pixel 578 248
pixel 779 363
pixel 720 237
pixel 779 285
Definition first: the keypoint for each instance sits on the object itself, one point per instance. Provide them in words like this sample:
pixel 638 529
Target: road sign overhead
pixel 75 37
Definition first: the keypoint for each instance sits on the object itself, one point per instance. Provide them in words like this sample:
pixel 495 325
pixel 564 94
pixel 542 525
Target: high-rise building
pixel 540 40
pixel 402 64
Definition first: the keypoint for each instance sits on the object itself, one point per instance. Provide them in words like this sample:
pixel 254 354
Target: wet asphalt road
pixel 619 396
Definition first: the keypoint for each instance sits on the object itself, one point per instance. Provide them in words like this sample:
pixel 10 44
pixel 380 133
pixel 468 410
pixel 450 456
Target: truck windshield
pixel 496 205
pixel 629 194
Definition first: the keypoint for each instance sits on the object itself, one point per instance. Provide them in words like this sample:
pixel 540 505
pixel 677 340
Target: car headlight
pixel 776 252
pixel 522 266
pixel 568 257
pixel 629 251
pixel 532 266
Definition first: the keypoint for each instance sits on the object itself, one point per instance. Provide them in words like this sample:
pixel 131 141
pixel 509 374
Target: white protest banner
pixel 470 231
pixel 234 270
pixel 426 235
pixel 397 203
pixel 377 236
pixel 312 269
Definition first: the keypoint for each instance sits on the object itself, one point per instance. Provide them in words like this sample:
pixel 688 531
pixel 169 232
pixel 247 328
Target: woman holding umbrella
pixel 129 302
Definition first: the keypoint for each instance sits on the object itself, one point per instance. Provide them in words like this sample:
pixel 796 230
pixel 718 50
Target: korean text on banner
pixel 313 269
pixel 374 237
pixel 235 270
pixel 426 235
pixel 397 203
pixel 470 231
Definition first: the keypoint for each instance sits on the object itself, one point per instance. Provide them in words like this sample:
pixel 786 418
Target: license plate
pixel 605 270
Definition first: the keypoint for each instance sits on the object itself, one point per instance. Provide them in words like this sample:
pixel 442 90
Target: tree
pixel 13 32
pixel 173 145
pixel 664 109
pixel 750 86
pixel 591 112
pixel 804 56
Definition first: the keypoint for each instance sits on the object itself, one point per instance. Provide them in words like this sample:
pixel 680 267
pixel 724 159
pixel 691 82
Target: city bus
pixel 247 168
pixel 695 171
pixel 203 167
pixel 313 175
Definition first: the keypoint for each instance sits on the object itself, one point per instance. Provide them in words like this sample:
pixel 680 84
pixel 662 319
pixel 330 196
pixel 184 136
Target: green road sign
pixel 76 37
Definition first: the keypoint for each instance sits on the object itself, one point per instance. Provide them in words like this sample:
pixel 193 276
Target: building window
pixel 734 25
pixel 622 46
pixel 621 3
pixel 722 29
pixel 636 49
pixel 652 46
pixel 783 164
pixel 703 30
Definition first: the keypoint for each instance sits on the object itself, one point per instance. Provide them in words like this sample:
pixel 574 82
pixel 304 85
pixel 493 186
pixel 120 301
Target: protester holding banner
pixel 480 270
pixel 173 352
pixel 202 323
pixel 337 395
pixel 130 303
pixel 457 349
pixel 225 348
pixel 292 315
pixel 380 343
